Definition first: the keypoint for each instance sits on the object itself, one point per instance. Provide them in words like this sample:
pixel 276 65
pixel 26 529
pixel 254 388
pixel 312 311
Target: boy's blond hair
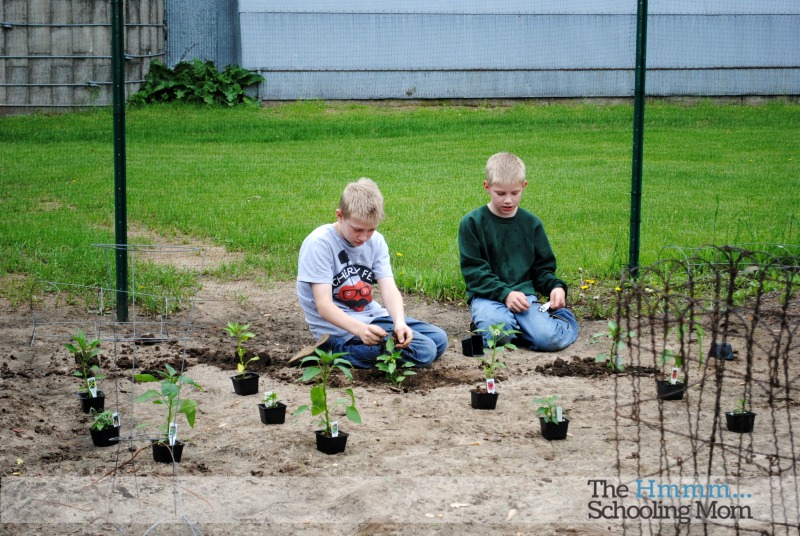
pixel 505 169
pixel 363 201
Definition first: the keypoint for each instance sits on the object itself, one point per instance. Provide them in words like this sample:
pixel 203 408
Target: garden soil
pixel 422 462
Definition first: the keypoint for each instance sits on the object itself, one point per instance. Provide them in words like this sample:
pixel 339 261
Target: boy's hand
pixel 517 302
pixel 558 298
pixel 371 334
pixel 403 335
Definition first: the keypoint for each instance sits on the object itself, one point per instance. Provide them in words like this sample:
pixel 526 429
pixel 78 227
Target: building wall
pixel 56 54
pixel 326 49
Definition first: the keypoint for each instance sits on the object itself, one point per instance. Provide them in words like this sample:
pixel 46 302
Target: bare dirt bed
pixel 422 462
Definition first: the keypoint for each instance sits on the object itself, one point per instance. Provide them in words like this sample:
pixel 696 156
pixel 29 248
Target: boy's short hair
pixel 363 201
pixel 506 169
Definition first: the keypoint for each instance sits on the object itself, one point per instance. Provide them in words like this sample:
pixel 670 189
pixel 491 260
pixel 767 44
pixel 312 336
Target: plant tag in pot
pixel 559 414
pixel 115 420
pixel 91 383
pixel 267 395
pixel 173 433
pixel 490 386
pixel 673 379
pixel 335 429
pixel 618 362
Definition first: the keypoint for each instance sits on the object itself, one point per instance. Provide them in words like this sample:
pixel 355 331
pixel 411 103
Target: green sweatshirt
pixel 500 255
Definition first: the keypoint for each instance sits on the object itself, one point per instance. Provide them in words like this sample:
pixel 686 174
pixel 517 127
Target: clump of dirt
pixel 587 367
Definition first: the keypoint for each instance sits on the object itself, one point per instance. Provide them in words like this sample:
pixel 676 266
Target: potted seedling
pixel 244 383
pixel 319 368
pixel 105 428
pixel 673 387
pixel 552 418
pixel 270 410
pixel 86 354
pixel 167 448
pixel 485 397
pixel 613 359
pixel 391 363
pixel 741 420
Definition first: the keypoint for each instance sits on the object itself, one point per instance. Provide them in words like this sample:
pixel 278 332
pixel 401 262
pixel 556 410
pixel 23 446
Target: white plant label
pixel 490 386
pixel 618 361
pixel 559 414
pixel 173 433
pixel 91 383
pixel 335 429
pixel 673 379
pixel 267 394
pixel 115 420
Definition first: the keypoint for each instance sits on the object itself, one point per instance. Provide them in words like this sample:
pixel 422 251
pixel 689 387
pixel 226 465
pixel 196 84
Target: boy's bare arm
pixel 323 297
pixel 393 301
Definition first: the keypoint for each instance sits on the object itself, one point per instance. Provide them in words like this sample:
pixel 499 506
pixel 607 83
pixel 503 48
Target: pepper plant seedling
pixel 319 368
pixel 85 353
pixel 393 365
pixel 548 410
pixel 168 395
pixel 496 345
pixel 242 335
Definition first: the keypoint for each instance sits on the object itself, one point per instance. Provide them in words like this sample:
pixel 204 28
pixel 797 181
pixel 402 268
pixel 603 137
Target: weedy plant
pixel 741 408
pixel 498 341
pixel 103 420
pixel 613 359
pixel 86 354
pixel 242 335
pixel 393 365
pixel 169 396
pixel 547 409
pixel 319 368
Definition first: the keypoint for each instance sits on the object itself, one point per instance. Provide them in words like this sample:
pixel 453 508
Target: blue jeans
pixel 544 332
pixel 428 344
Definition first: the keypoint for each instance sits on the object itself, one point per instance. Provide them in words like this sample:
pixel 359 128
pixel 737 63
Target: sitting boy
pixel 506 259
pixel 339 264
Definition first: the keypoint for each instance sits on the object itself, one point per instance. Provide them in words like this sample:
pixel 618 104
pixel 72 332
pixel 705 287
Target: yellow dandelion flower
pixel 590 281
pixel 399 254
pixel 584 287
pixel 617 289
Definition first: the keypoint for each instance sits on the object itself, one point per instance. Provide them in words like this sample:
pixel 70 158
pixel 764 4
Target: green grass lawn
pixel 257 180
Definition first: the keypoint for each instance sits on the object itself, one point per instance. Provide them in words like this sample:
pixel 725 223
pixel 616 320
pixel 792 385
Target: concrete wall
pixel 56 54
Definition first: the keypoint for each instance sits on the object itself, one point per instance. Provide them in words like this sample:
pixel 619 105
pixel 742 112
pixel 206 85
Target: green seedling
pixel 240 333
pixel 612 359
pixel 103 420
pixel 169 396
pixel 547 409
pixel 270 399
pixel 742 407
pixel 319 368
pixel 492 362
pixel 393 365
pixel 86 356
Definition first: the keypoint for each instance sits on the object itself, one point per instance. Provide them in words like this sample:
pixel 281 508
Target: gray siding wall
pixel 341 49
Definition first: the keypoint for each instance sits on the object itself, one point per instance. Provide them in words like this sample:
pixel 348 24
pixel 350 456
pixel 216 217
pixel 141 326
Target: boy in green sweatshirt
pixel 507 261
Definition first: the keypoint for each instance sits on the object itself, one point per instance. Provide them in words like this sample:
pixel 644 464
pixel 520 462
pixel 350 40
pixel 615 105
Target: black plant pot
pixel 554 430
pixel 247 385
pixel 105 437
pixel 669 391
pixel 276 415
pixel 331 445
pixel 741 423
pixel 163 453
pixel 88 403
pixel 481 400
pixel 721 351
pixel 472 345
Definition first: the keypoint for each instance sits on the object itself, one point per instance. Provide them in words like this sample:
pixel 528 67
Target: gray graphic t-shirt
pixel 326 257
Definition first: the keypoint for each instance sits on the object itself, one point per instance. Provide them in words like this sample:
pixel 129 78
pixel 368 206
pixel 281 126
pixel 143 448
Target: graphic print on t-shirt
pixel 352 286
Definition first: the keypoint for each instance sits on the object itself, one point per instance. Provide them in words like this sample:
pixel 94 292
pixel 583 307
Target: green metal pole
pixel 120 188
pixel 638 138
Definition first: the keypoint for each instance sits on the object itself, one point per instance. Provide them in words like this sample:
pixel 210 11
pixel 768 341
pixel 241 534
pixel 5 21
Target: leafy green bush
pixel 195 82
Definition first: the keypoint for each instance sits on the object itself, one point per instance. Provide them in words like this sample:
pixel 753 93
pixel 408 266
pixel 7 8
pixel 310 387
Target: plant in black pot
pixel 105 428
pixel 391 362
pixel 319 368
pixel 741 420
pixel 86 354
pixel 270 410
pixel 552 418
pixel 244 383
pixel 673 387
pixel 485 396
pixel 167 448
